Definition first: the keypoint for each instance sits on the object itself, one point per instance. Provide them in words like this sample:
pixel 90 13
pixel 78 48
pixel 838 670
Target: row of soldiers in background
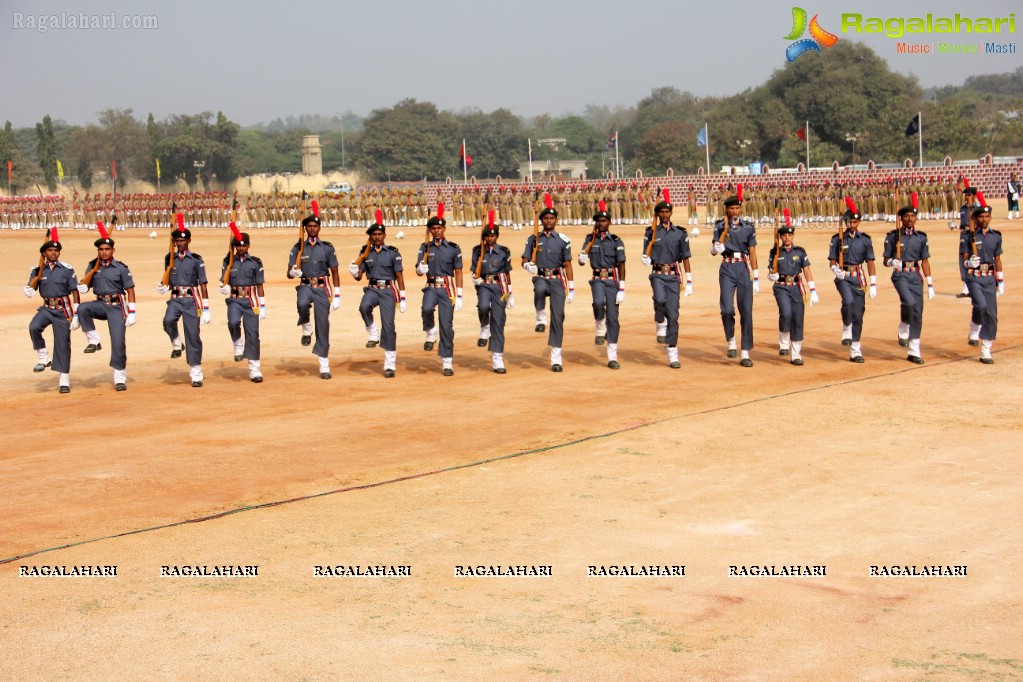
pixel 628 203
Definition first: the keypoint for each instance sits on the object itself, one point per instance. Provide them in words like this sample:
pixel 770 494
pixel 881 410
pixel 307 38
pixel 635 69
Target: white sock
pixel 985 349
pixel 541 317
pixel 672 354
pixel 92 337
pixel 662 328
pixel 447 363
pixel 195 372
pixel 731 344
pixel 974 331
pixel 324 364
pixel 44 355
pixel 612 352
pixel 497 360
pixel 797 346
pixel 854 349
pixel 65 379
pixel 254 369
pixel 307 329
pixel 390 358
pixel 120 376
pixel 555 356
pixel 431 335
pixel 914 347
pixel 176 343
pixel 373 331
pixel 783 340
pixel 846 331
pixel 239 346
pixel 903 330
pixel 602 327
pixel 744 355
pixel 485 331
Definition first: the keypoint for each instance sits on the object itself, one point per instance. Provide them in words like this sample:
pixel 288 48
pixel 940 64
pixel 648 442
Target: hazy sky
pixel 261 60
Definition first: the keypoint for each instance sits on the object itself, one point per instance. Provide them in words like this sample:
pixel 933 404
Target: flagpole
pixel 529 141
pixel 465 164
pixel 618 161
pixel 920 131
pixel 806 134
pixel 706 145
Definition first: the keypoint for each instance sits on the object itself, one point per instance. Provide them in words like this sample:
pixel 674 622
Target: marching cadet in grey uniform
pixel 318 279
pixel 965 213
pixel 114 287
pixel 981 252
pixel 385 284
pixel 855 251
pixel 739 261
pixel 552 277
pixel 441 262
pixel 493 292
pixel 58 287
pixel 907 253
pixel 187 287
pixel 670 249
pixel 605 254
pixel 246 305
pixel 792 274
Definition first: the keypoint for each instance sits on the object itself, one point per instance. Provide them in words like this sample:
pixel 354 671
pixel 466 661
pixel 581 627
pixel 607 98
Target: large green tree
pixel 408 142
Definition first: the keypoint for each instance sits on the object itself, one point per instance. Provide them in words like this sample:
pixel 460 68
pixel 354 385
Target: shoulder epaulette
pixel 257 259
pixel 921 233
pixel 326 243
pixel 196 256
pixel 455 245
pixel 564 238
pixel 506 250
pixel 615 237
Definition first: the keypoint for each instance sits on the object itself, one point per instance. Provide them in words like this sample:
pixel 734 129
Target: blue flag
pixel 701 137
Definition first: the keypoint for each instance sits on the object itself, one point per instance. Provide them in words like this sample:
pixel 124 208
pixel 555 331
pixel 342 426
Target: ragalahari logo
pixel 818 36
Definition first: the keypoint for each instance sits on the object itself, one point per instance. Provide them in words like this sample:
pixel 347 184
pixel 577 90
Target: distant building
pixel 312 155
pixel 566 168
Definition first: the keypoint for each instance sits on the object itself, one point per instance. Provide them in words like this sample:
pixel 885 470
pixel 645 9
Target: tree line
pixel 856 107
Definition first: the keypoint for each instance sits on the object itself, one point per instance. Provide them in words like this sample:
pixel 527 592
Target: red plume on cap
pixel 547 201
pixel 913 199
pixel 181 221
pixel 490 218
pixel 667 195
pixel 380 217
pixel 440 210
pixel 738 192
pixel 316 208
pixel 850 204
pixel 235 232
pixel 602 206
pixel 966 182
pixel 788 216
pixel 980 198
pixel 103 234
pixel 53 235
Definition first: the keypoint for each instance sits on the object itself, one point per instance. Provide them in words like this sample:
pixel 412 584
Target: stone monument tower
pixel 312 155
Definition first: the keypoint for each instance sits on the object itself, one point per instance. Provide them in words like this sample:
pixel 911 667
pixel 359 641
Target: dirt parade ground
pixel 831 521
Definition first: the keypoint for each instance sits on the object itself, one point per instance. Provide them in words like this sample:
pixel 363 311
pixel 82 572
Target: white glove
pixel 756 281
pixel 695 232
pixel 83 288
pixel 206 311
pixel 1001 286
pixel 645 260
pixel 873 291
pixel 422 268
pixel 162 288
pixel 295 271
pixel 402 305
pixel 354 269
pixel 511 301
pixel 689 288
pixel 531 268
pixel 717 248
pixel 583 259
pixel 571 292
pixel 74 322
pixel 773 276
pixel 478 281
pixel 335 304
pixel 130 319
pixel 895 263
pixel 620 297
pixel 225 289
pixel 971 262
pixel 930 292
pixel 262 308
pixel 839 272
pixel 814 298
pixel 29 292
